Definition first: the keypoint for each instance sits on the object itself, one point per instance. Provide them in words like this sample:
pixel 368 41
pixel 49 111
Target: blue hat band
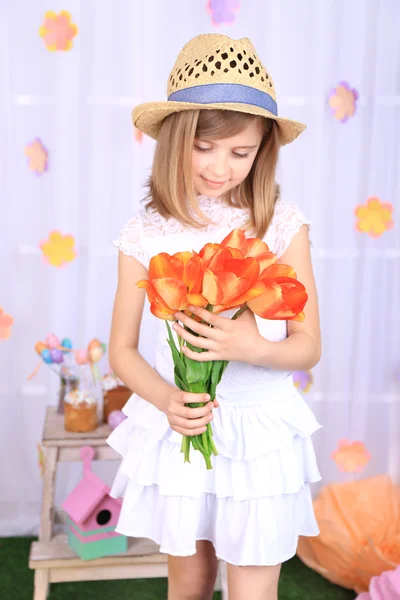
pixel 218 93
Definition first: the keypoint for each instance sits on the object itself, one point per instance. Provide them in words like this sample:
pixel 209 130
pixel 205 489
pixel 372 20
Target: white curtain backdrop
pixel 79 104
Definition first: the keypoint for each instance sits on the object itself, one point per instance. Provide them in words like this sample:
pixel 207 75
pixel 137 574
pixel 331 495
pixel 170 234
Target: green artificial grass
pixel 297 582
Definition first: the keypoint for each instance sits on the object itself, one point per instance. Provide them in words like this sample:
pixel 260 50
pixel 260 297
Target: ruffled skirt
pixel 252 505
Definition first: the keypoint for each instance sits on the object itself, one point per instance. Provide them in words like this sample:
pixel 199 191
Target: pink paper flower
pixel 138 135
pixel 383 587
pixel 38 157
pixel 351 457
pixel 58 31
pixel 375 217
pixel 58 249
pixel 342 101
pixel 6 322
pixel 222 11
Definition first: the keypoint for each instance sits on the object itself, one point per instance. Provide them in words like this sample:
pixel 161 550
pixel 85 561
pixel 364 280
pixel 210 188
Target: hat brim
pixel 149 116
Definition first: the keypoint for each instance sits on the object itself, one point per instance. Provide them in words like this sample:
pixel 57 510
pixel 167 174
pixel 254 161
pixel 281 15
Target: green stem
pixel 185 448
pixel 212 446
pixel 208 462
pixel 239 312
pixel 204 439
pixel 180 340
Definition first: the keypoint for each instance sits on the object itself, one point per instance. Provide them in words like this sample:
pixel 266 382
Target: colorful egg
pixel 66 343
pixel 81 357
pixel 52 341
pixel 96 354
pixel 115 418
pixel 39 347
pixel 57 355
pixel 95 351
pixel 46 355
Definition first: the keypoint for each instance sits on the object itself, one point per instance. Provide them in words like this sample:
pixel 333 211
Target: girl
pixel 214 170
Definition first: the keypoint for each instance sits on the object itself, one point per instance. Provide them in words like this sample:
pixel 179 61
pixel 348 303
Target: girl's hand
pixel 224 339
pixel 186 420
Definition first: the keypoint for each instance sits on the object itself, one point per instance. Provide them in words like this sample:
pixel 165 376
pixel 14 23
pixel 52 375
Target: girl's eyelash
pixel 200 149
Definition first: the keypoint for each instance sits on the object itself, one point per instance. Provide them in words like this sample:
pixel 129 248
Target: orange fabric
pixel 359 537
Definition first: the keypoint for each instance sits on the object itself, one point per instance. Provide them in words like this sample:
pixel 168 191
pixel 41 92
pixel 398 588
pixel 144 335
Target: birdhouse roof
pixel 85 497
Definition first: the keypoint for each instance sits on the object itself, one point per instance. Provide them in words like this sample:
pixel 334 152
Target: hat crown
pixel 215 58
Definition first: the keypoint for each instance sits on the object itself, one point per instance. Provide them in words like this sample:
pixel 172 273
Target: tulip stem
pixel 185 448
pixel 239 312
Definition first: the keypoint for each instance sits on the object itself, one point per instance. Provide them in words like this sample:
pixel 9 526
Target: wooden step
pixel 142 559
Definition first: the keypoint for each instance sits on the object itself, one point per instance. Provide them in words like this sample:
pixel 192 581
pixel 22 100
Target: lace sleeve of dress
pixel 130 240
pixel 286 222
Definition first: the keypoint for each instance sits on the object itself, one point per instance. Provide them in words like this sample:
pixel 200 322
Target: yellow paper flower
pixel 359 538
pixel 58 31
pixel 375 217
pixel 58 249
pixel 37 156
pixel 40 458
pixel 6 322
pixel 351 457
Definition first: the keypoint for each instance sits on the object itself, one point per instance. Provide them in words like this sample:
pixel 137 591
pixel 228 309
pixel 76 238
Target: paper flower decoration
pixel 222 11
pixel 37 156
pixel 359 538
pixel 303 380
pixel 342 101
pixel 383 587
pixel 375 217
pixel 138 135
pixel 351 457
pixel 40 458
pixel 58 249
pixel 6 322
pixel 57 31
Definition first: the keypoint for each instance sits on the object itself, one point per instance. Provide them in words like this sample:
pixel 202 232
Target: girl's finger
pixel 199 342
pixel 192 423
pixel 194 413
pixel 190 432
pixel 195 326
pixel 199 356
pixel 209 317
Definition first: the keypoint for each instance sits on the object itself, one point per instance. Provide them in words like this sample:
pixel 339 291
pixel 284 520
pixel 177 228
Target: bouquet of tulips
pixel 238 273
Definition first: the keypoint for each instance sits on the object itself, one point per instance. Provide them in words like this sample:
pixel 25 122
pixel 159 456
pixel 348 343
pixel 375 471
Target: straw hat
pixel 214 71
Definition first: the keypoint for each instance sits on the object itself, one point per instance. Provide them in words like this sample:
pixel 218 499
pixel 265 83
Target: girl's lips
pixel 214 184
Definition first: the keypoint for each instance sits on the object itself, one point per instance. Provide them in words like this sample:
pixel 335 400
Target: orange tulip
pixel 283 297
pixel 229 282
pixel 250 247
pixel 174 283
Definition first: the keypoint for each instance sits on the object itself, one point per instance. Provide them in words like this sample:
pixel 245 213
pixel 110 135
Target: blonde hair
pixel 170 186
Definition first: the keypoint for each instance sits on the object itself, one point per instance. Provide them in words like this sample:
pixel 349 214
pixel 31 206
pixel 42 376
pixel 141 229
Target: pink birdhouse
pixel 93 515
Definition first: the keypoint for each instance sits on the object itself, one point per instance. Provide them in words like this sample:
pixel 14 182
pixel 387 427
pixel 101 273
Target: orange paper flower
pixel 37 157
pixel 58 31
pixel 6 322
pixel 375 217
pixel 58 249
pixel 342 101
pixel 359 524
pixel 351 457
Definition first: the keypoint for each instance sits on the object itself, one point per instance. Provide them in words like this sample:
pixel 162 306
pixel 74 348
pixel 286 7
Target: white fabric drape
pixel 79 103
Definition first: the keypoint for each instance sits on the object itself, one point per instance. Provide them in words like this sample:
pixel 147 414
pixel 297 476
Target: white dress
pixel 256 500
